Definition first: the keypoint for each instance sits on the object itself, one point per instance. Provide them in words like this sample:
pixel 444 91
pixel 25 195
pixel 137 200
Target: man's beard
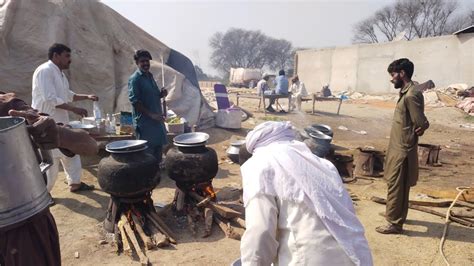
pixel 398 84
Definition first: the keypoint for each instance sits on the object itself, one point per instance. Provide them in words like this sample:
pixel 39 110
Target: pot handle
pixel 46 160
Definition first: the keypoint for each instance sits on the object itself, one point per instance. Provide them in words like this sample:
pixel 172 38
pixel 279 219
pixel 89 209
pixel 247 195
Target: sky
pixel 187 26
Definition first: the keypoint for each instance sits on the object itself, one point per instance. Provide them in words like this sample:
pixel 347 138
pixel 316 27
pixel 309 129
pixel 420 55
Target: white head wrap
pixel 267 133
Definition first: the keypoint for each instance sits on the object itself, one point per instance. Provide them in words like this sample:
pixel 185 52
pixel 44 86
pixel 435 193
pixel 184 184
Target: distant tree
pixel 248 49
pixel 412 18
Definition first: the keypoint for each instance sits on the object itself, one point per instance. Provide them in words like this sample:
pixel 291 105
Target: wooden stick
pixel 462 213
pixel 180 200
pixel 125 244
pixel 138 227
pixel 208 217
pixel 423 209
pixel 155 219
pixel 227 229
pixel 440 204
pixel 223 211
pixel 143 258
pixel 239 221
pixel 191 224
pixel 158 238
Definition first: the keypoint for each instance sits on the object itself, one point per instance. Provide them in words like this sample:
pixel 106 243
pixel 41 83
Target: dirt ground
pixel 79 216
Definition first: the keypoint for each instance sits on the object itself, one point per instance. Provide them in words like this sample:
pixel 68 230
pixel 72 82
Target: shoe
pixel 80 187
pixel 389 229
pixel 270 109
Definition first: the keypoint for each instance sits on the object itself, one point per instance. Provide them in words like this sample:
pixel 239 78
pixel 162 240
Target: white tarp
pixel 243 75
pixel 103 43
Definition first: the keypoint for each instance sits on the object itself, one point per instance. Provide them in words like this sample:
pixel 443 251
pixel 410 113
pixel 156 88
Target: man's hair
pixel 281 72
pixel 57 48
pixel 141 53
pixel 402 64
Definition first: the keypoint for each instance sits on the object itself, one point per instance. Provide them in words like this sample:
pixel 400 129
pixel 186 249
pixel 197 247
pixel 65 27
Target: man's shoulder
pixel 46 66
pixel 135 76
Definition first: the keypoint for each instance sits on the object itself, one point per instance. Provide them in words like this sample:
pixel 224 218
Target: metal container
pixel 23 189
pixel 128 173
pixel 320 128
pixel 233 150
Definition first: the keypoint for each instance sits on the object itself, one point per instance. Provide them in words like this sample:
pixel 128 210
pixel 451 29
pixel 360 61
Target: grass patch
pixel 469 118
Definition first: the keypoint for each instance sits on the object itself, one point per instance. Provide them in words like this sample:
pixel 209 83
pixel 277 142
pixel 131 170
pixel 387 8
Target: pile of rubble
pixel 455 95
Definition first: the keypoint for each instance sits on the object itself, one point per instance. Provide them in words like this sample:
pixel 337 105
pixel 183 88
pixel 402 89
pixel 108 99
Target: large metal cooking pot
pixel 191 165
pixel 128 173
pixel 23 189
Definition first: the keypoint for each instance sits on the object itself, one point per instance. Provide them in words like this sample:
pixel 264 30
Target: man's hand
pixel 79 111
pixel 93 97
pixel 30 115
pixel 419 131
pixel 163 93
pixel 157 117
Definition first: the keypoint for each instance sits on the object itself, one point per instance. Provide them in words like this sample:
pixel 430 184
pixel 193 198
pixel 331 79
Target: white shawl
pixel 287 169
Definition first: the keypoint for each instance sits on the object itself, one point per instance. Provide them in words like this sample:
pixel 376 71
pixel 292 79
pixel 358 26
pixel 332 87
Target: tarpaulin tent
pixel 102 43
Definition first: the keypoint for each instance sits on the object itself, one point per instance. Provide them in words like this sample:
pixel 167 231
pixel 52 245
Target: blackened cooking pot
pixel 191 165
pixel 128 174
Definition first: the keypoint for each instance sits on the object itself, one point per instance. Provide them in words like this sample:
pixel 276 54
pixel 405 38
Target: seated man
pixel 326 91
pixel 299 91
pixel 262 85
pixel 296 207
pixel 281 88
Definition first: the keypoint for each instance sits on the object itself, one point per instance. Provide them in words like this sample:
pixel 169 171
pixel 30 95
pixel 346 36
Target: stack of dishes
pixel 126 146
pixel 188 140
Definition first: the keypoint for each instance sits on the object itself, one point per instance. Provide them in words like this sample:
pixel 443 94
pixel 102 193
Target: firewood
pixel 203 202
pixel 180 200
pixel 143 258
pixel 208 217
pixel 156 220
pixel 159 239
pixel 125 244
pixel 227 229
pixel 192 226
pixel 223 211
pixel 138 227
pixel 239 221
pixel 423 209
pixel 462 213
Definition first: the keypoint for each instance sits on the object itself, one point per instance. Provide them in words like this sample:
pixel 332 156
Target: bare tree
pixel 364 32
pixel 416 18
pixel 248 49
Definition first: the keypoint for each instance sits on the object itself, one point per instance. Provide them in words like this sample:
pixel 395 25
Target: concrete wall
pixel 445 60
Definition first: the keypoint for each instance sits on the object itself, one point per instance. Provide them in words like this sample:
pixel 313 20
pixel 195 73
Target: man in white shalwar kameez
pixel 297 210
pixel 298 91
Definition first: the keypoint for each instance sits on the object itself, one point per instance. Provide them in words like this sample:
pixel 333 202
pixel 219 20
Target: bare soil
pixel 79 216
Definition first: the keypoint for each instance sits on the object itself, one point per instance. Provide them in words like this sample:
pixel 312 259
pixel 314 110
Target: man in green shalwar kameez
pixel 401 162
pixel 145 97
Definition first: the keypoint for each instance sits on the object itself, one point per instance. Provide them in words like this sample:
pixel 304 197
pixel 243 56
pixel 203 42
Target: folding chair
pixel 222 97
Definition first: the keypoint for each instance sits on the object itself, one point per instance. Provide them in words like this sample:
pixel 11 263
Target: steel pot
pixel 23 189
pixel 233 150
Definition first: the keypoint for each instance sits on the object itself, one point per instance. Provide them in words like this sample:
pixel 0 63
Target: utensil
pixel 125 144
pixel 129 150
pixel 191 138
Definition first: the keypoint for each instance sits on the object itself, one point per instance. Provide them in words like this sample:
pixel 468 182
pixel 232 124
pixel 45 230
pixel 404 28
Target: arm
pixel 134 95
pixel 72 108
pixel 415 108
pixel 259 245
pixel 81 97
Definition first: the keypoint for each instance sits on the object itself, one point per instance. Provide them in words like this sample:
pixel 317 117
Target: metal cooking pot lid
pixel 238 142
pixel 125 144
pixel 189 145
pixel 191 138
pixel 129 150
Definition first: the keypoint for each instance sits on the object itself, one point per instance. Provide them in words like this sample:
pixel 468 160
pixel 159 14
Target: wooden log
pixel 125 244
pixel 180 199
pixel 143 258
pixel 159 239
pixel 462 213
pixel 223 211
pixel 138 227
pixel 239 221
pixel 203 202
pixel 191 224
pixel 227 229
pixel 208 220
pixel 155 219
pixel 423 209
pixel 439 204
